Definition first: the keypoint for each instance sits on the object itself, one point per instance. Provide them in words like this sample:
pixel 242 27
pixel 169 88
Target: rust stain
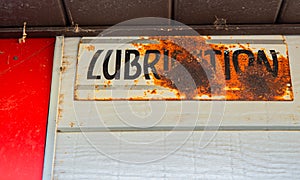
pixel 172 79
pixel 252 83
pixel 76 97
pixel 108 82
pixel 72 124
pixel 61 99
pixel 65 64
pixel 154 91
pixel 59 115
pixel 90 48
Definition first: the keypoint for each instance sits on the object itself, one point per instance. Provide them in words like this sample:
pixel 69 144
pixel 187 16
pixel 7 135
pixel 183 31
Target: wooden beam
pixel 258 29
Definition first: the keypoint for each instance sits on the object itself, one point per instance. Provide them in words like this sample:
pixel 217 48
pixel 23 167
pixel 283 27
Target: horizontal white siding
pixel 236 154
pixel 230 155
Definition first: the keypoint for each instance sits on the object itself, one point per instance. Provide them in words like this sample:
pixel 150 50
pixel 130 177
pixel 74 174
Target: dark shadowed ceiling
pixel 67 13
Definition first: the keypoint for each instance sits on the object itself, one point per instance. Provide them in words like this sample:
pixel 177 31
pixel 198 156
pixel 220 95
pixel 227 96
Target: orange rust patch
pixel 254 83
pixel 107 83
pixel 154 91
pixel 173 78
pixel 90 48
pixel 61 98
pixel 59 115
pixel 65 65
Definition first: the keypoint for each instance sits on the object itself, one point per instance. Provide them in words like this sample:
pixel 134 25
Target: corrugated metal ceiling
pixel 67 13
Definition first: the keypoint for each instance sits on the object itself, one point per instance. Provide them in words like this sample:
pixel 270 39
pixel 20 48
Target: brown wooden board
pixel 35 13
pixel 109 12
pixel 226 12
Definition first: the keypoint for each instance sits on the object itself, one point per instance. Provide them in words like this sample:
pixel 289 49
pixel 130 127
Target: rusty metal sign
pixel 183 68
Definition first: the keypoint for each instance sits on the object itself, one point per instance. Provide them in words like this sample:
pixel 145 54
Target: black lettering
pixel 92 66
pixel 236 61
pixel 166 60
pixel 133 63
pixel 151 65
pixel 227 65
pixel 275 63
pixel 261 57
pixel 116 74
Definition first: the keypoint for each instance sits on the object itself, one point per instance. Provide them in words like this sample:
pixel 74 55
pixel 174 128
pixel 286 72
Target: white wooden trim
pixel 53 111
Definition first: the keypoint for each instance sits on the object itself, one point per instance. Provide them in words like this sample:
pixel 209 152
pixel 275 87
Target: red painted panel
pixel 25 79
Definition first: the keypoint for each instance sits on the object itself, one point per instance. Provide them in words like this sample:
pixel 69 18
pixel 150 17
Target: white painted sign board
pixel 183 68
pixel 252 82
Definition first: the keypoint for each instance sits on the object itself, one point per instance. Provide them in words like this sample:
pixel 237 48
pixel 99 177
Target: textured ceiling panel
pixel 234 11
pixel 36 13
pixel 223 16
pixel 290 12
pixel 109 12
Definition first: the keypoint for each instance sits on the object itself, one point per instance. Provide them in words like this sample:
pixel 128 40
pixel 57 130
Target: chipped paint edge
pixel 53 110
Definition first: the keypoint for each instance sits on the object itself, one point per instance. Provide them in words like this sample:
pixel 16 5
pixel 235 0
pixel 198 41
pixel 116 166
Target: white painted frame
pixel 53 111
